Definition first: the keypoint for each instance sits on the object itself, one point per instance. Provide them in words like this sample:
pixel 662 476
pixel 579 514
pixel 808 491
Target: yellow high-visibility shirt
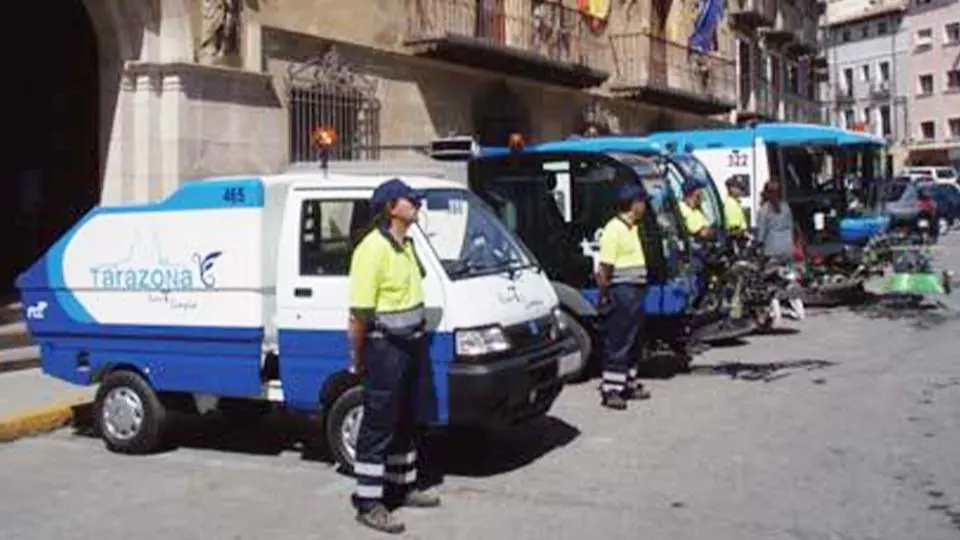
pixel 693 220
pixel 620 247
pixel 733 214
pixel 385 276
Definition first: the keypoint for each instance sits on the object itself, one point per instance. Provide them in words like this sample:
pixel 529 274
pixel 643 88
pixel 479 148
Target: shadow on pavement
pixel 761 372
pixel 456 452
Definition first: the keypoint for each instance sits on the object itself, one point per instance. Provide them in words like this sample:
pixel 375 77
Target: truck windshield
pixel 467 237
pixel 692 168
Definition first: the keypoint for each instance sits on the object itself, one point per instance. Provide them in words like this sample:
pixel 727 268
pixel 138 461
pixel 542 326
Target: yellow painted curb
pixel 40 420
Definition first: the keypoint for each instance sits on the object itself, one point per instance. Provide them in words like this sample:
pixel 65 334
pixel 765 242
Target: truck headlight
pixel 480 341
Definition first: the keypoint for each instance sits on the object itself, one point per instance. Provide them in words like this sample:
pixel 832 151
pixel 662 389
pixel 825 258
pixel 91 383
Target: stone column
pixel 142 151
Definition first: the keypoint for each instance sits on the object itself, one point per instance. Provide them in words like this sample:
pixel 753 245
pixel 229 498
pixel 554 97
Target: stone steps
pixel 17 350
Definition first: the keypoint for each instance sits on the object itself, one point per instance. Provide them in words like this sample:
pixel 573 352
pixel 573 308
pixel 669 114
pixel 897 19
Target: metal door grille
pixel 326 93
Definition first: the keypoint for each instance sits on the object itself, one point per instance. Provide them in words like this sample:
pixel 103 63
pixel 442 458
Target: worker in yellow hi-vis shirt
pixel 389 350
pixel 694 220
pixel 733 216
pixel 621 278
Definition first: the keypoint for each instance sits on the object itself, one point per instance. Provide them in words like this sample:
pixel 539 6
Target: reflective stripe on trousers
pixel 394 400
pixel 622 322
pixel 636 275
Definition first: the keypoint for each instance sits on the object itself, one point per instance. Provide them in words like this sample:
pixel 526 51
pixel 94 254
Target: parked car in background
pixel 939 174
pixel 911 206
pixel 947 197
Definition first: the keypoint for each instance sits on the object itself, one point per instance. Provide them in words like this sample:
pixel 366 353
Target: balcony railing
pixel 541 39
pixel 673 75
pixel 801 109
pixel 880 90
pixel 843 94
pixel 753 13
pixel 786 27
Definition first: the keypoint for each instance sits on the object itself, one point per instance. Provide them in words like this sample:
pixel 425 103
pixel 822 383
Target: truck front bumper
pixel 512 389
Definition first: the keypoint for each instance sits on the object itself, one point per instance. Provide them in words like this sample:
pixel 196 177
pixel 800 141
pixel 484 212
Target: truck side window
pixel 329 229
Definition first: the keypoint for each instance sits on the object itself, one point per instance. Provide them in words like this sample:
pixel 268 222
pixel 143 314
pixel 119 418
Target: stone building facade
pixel 165 90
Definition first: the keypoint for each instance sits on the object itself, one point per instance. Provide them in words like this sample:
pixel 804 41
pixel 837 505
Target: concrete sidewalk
pixel 31 402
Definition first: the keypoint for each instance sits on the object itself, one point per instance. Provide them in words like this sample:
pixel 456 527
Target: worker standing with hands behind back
pixel 389 350
pixel 621 278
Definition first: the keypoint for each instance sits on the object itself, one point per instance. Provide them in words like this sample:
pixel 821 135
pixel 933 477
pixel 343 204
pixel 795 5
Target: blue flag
pixel 705 27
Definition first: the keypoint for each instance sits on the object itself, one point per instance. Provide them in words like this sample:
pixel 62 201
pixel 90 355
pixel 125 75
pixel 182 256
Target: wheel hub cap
pixel 122 413
pixel 350 431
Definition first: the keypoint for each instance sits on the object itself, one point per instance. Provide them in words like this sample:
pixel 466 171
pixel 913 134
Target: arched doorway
pixel 50 157
pixel 497 113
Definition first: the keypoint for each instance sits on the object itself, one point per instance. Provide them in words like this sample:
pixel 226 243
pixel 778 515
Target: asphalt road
pixel 847 430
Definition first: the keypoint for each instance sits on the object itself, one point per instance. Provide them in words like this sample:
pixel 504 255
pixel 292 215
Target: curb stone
pixel 44 419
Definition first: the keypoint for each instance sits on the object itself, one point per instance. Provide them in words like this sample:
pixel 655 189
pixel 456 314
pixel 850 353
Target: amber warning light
pixel 324 137
pixel 515 142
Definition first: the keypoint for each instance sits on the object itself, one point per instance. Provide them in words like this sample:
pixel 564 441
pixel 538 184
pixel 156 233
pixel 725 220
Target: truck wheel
pixel 584 342
pixel 129 414
pixel 343 427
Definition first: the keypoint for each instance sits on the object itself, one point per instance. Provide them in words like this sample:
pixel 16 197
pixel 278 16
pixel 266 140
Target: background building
pixel 867 46
pixel 934 81
pixel 776 54
pixel 124 99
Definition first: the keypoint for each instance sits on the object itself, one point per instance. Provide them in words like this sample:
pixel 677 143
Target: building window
pixel 845 36
pixel 924 38
pixel 884 71
pixel 923 2
pixel 848 81
pixel 882 28
pixel 954 125
pixel 953 80
pixel 928 131
pixel 332 96
pixel 865 73
pixel 885 128
pixel 868 118
pixel 849 119
pixel 865 31
pixel 926 85
pixel 951 34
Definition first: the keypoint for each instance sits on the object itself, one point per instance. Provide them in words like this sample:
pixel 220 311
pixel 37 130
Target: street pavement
pixel 849 429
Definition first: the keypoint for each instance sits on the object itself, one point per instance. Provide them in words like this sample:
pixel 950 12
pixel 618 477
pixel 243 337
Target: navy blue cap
pixel 690 186
pixel 630 192
pixel 392 190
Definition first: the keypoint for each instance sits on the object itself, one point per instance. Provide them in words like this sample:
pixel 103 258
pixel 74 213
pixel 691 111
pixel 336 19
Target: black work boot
pixel 421 498
pixel 380 519
pixel 613 400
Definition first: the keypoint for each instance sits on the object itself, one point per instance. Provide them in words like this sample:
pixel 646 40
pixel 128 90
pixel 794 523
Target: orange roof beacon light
pixel 515 142
pixel 325 139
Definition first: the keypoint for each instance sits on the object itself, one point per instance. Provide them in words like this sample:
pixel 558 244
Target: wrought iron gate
pixel 326 93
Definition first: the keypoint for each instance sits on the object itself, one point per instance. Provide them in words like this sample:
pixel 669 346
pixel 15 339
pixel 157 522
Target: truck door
pixel 319 230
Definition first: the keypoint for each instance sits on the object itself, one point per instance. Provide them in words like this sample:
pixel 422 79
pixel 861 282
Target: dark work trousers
pixel 395 393
pixel 622 321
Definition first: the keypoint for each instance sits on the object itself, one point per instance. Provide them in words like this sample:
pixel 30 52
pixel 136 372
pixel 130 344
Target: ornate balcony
pixel 537 39
pixel 750 14
pixel 785 28
pixel 672 75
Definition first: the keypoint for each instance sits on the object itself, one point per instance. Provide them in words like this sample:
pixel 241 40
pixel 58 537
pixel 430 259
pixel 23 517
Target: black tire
pixel 134 392
pixel 346 402
pixel 584 342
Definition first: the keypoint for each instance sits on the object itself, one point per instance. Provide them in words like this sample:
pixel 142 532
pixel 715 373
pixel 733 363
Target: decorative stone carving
pixel 220 43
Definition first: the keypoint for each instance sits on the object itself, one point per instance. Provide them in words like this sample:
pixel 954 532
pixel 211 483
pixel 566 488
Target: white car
pixel 941 175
